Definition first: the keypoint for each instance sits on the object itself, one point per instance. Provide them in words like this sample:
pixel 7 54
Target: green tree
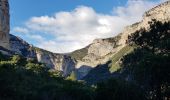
pixel 150 61
pixel 18 60
pixel 116 89
pixel 156 40
pixel 72 76
pixel 32 81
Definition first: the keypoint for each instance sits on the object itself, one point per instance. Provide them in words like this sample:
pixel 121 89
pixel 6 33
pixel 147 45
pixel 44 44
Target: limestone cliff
pixel 160 13
pixel 102 50
pixel 58 62
pixel 86 59
pixel 54 61
pixel 99 52
pixel 4 24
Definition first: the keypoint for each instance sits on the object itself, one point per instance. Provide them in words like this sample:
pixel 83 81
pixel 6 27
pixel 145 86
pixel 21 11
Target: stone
pixel 102 50
pixel 4 24
pixel 97 53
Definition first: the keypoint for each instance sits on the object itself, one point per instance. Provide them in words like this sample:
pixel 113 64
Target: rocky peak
pixel 102 47
pixel 160 12
pixel 4 24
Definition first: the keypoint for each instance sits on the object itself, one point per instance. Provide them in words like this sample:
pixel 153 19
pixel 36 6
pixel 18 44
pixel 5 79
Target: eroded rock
pixel 4 24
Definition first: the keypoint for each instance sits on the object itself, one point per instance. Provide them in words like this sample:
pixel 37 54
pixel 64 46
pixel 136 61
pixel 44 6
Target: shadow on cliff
pixel 83 71
pixel 100 73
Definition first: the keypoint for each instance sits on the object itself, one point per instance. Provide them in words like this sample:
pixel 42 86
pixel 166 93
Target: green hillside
pixel 79 54
pixel 114 66
pixel 26 79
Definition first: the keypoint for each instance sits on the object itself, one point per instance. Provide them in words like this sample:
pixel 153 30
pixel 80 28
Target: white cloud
pixel 20 30
pixel 134 9
pixel 39 38
pixel 78 28
pixel 24 32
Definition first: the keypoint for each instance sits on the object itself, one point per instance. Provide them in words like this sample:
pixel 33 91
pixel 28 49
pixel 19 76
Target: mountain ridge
pixel 99 52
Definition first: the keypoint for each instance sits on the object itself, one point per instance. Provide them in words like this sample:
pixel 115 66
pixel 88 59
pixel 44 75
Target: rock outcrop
pixel 84 60
pixel 102 50
pixel 54 61
pixel 99 52
pixel 159 13
pixel 57 62
pixel 4 24
pixel 21 47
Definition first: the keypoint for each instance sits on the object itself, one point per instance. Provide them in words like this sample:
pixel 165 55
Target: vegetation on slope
pixel 146 71
pixel 22 79
pixel 149 64
pixel 115 64
pixel 79 54
pixel 26 79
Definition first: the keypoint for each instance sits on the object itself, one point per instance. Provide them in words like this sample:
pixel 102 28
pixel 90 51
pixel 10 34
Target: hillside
pixel 134 65
pixel 98 52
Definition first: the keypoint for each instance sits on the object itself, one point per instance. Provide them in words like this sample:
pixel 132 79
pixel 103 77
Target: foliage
pixel 115 59
pixel 79 54
pixel 115 89
pixel 22 79
pixel 18 60
pixel 72 76
pixel 2 57
pixel 149 64
pixel 33 81
pixel 154 40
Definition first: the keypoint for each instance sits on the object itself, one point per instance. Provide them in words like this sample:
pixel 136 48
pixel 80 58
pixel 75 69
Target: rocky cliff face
pixel 84 60
pixel 4 24
pixel 160 13
pixel 102 50
pixel 54 61
pixel 19 46
pixel 99 52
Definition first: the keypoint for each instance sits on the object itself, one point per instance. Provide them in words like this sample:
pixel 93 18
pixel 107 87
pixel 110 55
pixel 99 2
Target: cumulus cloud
pixel 20 30
pixel 26 33
pixel 79 27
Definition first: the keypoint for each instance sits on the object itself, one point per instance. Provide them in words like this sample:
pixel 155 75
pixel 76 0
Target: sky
pixel 63 26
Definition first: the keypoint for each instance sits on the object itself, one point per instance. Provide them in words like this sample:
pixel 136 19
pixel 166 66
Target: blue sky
pixel 66 25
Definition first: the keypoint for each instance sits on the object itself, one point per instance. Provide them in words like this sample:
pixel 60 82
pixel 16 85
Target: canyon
pixel 82 61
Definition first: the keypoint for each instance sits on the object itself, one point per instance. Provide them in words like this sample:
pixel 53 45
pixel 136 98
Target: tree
pixel 116 89
pixel 72 76
pixel 17 59
pixel 149 64
pixel 34 82
pixel 156 39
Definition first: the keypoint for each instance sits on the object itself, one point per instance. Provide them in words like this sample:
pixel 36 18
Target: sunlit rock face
pixel 58 62
pixel 99 52
pixel 4 24
pixel 21 47
pixel 102 50
pixel 84 60
pixel 160 12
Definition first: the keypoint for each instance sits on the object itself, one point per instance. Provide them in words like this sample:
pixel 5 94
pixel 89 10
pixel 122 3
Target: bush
pixel 115 89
